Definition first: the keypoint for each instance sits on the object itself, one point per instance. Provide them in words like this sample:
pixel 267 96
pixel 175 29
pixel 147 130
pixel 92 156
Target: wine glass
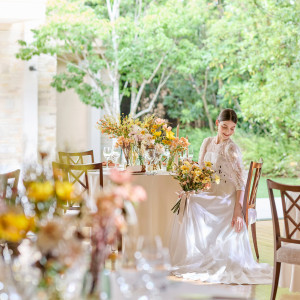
pixel 115 154
pixel 107 151
pixel 191 153
pixel 150 155
pixel 182 155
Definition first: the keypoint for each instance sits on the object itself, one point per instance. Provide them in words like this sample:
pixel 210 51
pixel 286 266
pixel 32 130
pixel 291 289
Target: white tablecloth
pixel 154 215
pixel 290 274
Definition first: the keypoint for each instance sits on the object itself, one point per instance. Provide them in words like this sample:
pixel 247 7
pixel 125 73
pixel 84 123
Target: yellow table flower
pixel 170 135
pixel 14 226
pixel 66 192
pixel 157 133
pixel 40 191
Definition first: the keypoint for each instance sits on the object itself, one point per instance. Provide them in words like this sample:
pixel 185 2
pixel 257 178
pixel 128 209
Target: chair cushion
pixel 289 253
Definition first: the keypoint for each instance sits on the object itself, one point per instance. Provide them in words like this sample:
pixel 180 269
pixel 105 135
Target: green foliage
pixel 255 52
pixel 232 53
pixel 196 137
pixel 281 157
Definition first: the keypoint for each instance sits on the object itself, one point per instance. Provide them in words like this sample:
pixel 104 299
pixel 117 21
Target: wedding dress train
pixel 204 246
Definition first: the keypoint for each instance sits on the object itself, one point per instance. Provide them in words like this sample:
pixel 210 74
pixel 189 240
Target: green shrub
pixel 281 158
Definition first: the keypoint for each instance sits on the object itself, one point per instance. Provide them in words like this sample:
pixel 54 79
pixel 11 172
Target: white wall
pixel 76 123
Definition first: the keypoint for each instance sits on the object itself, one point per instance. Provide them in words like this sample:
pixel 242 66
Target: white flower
pixel 159 148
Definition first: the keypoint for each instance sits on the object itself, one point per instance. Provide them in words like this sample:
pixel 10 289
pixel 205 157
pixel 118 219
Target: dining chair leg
pixel 253 230
pixel 276 272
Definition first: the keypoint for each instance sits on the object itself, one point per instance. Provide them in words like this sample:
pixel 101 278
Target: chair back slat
pixel 251 188
pixel 75 158
pixel 252 198
pixel 290 209
pixel 290 200
pixel 9 185
pixel 77 174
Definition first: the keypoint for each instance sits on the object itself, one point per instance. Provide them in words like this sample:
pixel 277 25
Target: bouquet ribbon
pixel 184 198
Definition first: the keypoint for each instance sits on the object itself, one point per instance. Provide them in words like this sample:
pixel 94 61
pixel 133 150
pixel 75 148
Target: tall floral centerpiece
pixel 108 222
pixel 144 140
pixel 120 129
pixel 176 146
pixel 192 179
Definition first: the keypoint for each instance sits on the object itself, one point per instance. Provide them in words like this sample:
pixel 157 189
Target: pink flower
pixel 121 193
pixel 119 177
pixel 160 121
pixel 138 194
pixel 169 128
pixel 165 126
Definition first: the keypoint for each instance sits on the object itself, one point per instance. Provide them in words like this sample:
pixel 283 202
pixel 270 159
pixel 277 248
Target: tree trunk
pixel 203 96
pixel 133 96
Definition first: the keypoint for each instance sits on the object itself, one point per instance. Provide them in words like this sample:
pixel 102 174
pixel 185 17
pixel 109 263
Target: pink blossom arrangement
pixel 108 222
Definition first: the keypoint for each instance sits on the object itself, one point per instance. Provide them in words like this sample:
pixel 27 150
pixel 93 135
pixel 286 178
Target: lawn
pixel 262 186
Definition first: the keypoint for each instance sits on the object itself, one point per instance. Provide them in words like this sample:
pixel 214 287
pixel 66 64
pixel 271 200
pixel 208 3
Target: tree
pixel 255 54
pixel 132 45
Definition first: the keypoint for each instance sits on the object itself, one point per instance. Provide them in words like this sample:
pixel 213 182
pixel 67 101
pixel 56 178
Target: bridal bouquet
pixel 192 179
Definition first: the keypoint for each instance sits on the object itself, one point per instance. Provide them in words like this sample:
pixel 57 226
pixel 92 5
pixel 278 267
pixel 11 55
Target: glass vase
pixel 170 163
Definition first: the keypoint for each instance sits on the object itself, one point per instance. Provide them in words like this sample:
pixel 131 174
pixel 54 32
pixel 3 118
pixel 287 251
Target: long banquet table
pixel 154 215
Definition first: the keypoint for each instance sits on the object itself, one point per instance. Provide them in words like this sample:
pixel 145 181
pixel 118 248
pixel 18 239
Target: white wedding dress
pixel 204 246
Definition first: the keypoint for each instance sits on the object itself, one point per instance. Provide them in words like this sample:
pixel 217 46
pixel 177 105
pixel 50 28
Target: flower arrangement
pixel 108 222
pixel 61 248
pixel 178 145
pixel 135 136
pixel 192 179
pixel 60 241
pixel 14 224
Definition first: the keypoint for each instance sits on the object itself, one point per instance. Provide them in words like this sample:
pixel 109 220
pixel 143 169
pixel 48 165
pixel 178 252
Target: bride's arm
pixel 202 151
pixel 235 159
pixel 237 218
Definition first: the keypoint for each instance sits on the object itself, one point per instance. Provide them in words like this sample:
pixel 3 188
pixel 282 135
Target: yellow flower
pixel 14 226
pixel 208 164
pixel 217 179
pixel 166 142
pixel 196 179
pixel 198 172
pixel 157 133
pixel 184 167
pixel 187 163
pixel 40 191
pixel 170 135
pixel 154 126
pixel 206 179
pixel 152 130
pixel 143 132
pixel 64 190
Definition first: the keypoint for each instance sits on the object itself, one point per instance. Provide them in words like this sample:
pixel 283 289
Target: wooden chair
pixel 9 185
pixel 250 198
pixel 75 158
pixel 289 252
pixel 76 174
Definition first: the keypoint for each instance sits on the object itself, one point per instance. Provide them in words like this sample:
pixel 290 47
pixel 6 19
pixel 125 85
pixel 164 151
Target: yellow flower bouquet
pixel 192 179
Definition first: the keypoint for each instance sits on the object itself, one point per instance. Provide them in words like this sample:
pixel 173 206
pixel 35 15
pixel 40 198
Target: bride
pixel 211 244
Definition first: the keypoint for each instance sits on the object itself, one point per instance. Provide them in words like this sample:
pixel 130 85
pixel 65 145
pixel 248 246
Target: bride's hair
pixel 228 114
